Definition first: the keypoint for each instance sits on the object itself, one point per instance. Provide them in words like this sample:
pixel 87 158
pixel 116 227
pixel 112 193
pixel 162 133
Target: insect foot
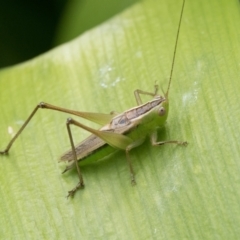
pixel 183 143
pixel 133 182
pixel 5 152
pixel 73 191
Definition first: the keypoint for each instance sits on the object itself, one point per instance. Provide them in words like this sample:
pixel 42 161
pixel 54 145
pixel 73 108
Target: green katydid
pixel 123 131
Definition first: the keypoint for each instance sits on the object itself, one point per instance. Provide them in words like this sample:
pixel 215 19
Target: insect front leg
pixel 138 92
pixel 154 141
pixel 129 147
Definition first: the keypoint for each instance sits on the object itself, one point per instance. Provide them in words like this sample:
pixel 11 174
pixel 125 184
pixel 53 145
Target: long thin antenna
pixel 175 49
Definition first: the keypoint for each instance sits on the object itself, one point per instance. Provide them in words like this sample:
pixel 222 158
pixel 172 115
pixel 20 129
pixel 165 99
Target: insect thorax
pixel 126 118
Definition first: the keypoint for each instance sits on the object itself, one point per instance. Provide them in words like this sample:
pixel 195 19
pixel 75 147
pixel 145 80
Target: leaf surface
pixel 181 193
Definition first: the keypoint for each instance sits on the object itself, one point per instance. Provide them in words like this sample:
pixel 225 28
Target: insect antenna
pixel 175 49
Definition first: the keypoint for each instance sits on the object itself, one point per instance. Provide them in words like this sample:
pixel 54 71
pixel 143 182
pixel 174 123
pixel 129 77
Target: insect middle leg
pixel 129 147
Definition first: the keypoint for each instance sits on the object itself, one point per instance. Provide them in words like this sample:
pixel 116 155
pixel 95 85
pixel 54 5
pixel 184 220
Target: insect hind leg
pixel 80 183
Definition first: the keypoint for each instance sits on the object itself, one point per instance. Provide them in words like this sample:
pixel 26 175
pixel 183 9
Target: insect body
pixel 129 123
pixel 124 131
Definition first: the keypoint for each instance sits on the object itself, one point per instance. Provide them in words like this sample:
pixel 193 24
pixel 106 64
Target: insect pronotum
pixel 123 131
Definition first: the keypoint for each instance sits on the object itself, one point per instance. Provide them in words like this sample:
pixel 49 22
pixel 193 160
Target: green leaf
pixel 80 16
pixel 181 193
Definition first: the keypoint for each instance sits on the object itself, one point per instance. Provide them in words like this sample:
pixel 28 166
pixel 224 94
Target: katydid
pixel 123 131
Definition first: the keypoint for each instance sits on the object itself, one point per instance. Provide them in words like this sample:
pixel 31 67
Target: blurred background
pixel 29 28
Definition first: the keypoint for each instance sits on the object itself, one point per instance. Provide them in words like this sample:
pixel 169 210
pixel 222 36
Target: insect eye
pixel 161 111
